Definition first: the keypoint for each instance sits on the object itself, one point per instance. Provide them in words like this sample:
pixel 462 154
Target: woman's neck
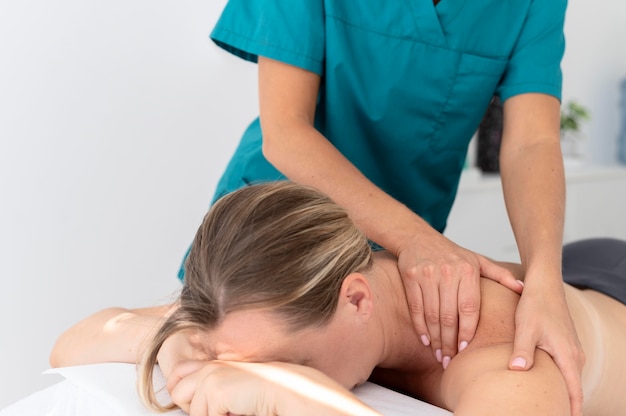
pixel 405 363
pixel 402 345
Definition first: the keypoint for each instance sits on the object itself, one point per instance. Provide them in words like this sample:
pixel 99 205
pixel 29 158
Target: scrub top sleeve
pixel 285 30
pixel 535 64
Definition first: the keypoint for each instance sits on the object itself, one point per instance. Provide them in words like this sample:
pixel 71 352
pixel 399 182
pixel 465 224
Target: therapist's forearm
pixel 534 190
pixel 287 102
pixel 308 158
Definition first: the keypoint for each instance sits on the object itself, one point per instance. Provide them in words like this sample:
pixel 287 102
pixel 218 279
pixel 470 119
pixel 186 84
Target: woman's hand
pixel 442 284
pixel 543 321
pixel 185 346
pixel 203 388
pixel 234 388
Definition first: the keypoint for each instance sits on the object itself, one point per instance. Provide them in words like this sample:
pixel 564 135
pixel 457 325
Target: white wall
pixel 116 120
pixel 593 67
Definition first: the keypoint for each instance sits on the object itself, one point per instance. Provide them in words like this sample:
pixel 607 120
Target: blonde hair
pixel 278 246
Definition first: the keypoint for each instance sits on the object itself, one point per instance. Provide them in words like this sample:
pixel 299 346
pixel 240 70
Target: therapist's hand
pixel 542 320
pixel 442 285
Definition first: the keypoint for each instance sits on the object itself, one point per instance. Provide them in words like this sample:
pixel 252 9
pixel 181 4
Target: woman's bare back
pixel 478 380
pixel 601 325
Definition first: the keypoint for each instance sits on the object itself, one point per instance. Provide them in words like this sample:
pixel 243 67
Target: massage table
pixel 109 389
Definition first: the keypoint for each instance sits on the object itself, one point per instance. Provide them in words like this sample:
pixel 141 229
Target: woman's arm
pixel 111 335
pixel 534 190
pixel 220 387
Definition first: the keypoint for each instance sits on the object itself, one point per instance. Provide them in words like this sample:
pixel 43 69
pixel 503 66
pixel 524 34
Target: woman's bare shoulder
pixel 496 324
pixel 478 380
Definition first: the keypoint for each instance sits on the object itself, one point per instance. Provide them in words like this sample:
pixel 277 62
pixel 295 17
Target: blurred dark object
pixel 490 137
pixel 622 137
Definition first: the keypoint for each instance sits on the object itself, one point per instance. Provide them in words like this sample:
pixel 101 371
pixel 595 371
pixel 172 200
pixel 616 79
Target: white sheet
pixel 109 389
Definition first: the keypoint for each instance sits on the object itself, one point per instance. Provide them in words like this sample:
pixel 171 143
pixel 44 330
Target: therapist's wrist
pixel 414 233
pixel 549 278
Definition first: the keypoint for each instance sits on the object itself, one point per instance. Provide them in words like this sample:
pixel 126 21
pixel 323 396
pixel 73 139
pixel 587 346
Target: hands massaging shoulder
pixel 278 272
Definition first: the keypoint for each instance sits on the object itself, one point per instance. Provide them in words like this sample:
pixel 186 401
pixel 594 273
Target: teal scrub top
pixel 404 83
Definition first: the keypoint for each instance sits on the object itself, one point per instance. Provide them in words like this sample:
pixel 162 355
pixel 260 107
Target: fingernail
pixel 521 283
pixel 425 340
pixel 462 346
pixel 438 355
pixel 519 362
pixel 446 361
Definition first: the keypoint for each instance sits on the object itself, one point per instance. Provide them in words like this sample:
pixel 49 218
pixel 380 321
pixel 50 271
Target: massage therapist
pixel 374 103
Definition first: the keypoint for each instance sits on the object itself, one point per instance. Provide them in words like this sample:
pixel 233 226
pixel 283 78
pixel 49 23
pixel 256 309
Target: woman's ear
pixel 356 294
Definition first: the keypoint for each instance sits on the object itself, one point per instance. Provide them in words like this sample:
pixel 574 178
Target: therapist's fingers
pixel 469 307
pixel 432 307
pixel 448 317
pixel 415 302
pixel 543 321
pixel 572 375
pixel 566 360
pixel 525 340
pixel 499 274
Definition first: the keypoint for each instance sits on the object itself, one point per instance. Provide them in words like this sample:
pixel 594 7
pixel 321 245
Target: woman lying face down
pixel 279 273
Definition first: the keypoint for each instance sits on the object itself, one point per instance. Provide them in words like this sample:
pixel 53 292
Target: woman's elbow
pixel 94 339
pixel 60 354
